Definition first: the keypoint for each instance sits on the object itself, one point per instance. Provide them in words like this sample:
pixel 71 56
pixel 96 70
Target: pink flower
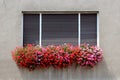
pixel 33 57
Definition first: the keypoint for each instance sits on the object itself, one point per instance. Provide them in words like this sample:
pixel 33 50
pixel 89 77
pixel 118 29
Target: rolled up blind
pixel 31 29
pixel 89 28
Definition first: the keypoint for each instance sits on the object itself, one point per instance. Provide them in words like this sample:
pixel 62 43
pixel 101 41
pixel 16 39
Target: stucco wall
pixel 11 36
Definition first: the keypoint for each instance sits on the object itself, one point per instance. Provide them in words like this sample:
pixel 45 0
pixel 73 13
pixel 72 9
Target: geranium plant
pixel 60 56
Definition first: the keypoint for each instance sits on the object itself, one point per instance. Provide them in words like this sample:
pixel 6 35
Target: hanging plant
pixel 61 56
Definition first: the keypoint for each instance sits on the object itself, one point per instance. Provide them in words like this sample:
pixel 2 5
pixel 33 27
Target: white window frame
pixel 79 28
pixel 98 35
pixel 40 31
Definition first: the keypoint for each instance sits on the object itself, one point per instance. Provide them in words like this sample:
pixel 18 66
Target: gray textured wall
pixel 11 36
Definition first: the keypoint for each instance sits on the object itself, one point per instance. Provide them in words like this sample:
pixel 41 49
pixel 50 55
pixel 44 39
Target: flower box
pixel 61 56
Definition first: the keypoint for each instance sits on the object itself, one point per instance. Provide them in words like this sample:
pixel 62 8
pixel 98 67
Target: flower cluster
pixel 63 56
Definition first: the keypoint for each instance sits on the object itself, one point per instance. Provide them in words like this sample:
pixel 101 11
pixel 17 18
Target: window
pixel 47 29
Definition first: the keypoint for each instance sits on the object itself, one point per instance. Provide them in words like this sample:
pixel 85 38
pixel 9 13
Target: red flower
pixel 33 57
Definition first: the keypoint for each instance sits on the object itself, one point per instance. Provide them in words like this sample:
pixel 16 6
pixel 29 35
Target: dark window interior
pixel 89 29
pixel 59 29
pixel 31 29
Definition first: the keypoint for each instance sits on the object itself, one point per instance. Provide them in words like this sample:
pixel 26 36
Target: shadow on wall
pixel 99 72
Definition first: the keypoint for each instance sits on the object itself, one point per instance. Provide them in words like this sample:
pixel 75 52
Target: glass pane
pixel 59 29
pixel 89 29
pixel 31 29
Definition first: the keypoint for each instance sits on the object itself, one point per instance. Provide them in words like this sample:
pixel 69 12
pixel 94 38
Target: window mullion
pixel 97 30
pixel 40 30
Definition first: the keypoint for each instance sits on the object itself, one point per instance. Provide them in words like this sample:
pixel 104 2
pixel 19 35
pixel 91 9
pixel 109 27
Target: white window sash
pixel 40 30
pixel 98 42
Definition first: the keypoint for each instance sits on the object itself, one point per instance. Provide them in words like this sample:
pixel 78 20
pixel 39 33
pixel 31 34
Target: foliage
pixel 61 56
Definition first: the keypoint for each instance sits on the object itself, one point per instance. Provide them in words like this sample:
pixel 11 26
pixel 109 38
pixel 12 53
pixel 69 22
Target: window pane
pixel 59 28
pixel 31 29
pixel 89 29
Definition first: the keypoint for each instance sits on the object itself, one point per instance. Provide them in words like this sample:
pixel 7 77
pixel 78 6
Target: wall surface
pixel 11 36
